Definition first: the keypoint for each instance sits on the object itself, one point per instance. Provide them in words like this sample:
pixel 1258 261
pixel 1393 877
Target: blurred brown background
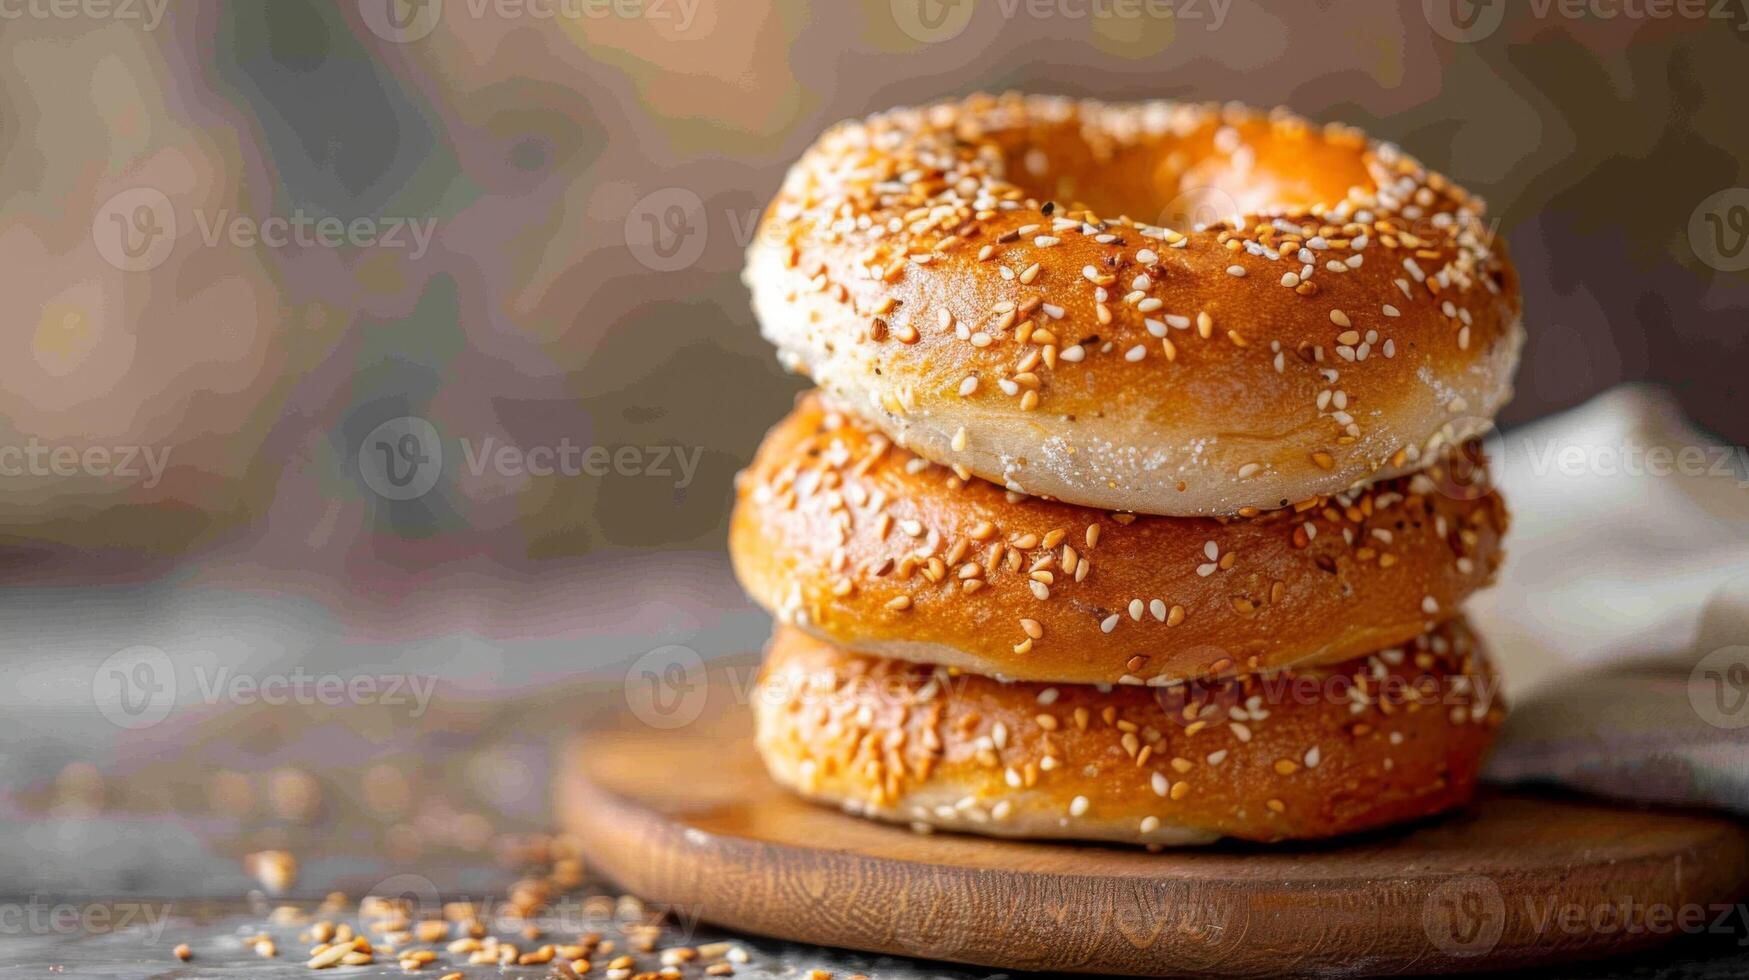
pixel 574 181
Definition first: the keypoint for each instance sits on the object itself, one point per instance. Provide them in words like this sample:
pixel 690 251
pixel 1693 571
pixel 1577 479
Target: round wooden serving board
pixel 689 819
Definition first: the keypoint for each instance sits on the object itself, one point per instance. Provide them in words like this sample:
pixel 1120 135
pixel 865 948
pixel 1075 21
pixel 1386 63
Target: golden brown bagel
pixel 1390 737
pixel 989 282
pixel 871 547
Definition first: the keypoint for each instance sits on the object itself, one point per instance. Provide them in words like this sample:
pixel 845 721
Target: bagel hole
pixel 1183 181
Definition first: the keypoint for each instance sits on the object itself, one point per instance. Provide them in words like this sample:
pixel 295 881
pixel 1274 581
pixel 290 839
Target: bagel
pixel 1320 752
pixel 991 282
pixel 844 535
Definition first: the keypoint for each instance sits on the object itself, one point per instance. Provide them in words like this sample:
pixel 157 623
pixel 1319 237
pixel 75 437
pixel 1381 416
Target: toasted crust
pixel 871 547
pixel 1391 737
pixel 933 269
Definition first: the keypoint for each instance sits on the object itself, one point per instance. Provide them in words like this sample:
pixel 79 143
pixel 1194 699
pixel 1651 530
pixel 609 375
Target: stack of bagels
pixel 1096 528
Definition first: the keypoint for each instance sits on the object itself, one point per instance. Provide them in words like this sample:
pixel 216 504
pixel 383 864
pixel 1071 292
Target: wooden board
pixel 689 819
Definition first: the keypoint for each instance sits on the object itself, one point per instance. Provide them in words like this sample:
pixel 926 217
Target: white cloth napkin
pixel 1621 619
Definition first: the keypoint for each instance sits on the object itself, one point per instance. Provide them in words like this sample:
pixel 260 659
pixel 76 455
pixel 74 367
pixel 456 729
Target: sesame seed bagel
pixel 992 283
pixel 1310 753
pixel 844 535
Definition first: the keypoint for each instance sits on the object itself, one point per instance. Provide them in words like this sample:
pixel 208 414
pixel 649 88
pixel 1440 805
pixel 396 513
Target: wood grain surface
pixel 688 818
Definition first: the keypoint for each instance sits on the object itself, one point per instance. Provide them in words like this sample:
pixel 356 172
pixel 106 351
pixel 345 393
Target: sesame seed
pixel 1161 786
pixel 1078 806
pixel 1109 623
pixel 968 386
pixel 1237 271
